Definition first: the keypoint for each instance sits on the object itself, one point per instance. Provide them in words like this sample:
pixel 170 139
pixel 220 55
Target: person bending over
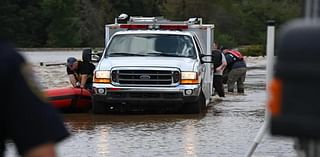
pixel 80 73
pixel 236 70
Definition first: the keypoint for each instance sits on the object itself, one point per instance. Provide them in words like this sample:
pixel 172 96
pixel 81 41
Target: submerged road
pixel 226 129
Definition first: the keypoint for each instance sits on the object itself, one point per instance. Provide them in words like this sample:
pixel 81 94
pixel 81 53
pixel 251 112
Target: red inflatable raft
pixel 69 99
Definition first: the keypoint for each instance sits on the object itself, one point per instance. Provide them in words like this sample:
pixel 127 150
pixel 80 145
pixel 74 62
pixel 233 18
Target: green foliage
pixel 252 50
pixel 226 40
pixel 72 23
pixel 63 23
pixel 21 22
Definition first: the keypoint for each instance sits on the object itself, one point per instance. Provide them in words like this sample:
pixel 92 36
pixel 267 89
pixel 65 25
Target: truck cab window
pixel 151 45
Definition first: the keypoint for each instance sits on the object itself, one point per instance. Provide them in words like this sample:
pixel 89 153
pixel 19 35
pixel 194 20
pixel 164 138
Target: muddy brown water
pixel 226 128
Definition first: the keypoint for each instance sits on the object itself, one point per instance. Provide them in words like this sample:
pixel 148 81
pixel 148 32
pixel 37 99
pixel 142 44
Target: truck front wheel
pixel 195 107
pixel 99 107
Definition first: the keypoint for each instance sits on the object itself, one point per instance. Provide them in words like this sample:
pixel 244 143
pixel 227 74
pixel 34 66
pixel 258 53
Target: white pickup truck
pixel 154 63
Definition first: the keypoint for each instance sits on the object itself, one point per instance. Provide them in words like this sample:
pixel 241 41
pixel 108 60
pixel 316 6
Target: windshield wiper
pixel 125 54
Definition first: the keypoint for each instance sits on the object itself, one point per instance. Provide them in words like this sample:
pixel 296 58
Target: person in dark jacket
pixel 27 119
pixel 220 63
pixel 80 73
pixel 236 70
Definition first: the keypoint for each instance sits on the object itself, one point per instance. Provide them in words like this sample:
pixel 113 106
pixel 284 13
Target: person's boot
pixel 241 91
pixel 230 92
pixel 221 95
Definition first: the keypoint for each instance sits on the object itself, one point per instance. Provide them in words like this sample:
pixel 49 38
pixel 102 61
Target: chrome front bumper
pixel 114 94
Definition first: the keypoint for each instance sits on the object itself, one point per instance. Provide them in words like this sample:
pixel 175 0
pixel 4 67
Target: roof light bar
pixel 133 26
pixel 161 27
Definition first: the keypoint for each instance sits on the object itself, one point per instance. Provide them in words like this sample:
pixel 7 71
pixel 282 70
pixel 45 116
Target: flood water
pixel 226 129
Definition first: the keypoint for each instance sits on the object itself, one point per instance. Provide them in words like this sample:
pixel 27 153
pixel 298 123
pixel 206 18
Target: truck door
pixel 207 73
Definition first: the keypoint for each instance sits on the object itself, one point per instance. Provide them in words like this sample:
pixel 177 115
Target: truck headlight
pixel 102 77
pixel 190 78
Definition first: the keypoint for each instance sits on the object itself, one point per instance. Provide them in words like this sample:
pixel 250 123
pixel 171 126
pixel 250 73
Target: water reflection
pixel 120 135
pixel 190 141
pixel 79 122
pixel 103 146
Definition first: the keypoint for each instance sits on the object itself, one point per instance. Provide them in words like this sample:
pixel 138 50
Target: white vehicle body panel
pixel 202 40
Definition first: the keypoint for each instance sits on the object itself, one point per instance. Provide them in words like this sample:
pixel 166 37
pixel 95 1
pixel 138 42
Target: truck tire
pixel 195 107
pixel 99 107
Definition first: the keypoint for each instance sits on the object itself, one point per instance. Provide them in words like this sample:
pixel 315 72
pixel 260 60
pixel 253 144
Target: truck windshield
pixel 151 45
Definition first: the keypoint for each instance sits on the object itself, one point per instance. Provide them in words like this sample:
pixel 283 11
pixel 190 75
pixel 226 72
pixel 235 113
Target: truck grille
pixel 145 77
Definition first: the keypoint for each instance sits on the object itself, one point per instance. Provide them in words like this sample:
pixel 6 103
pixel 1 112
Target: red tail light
pixel 134 26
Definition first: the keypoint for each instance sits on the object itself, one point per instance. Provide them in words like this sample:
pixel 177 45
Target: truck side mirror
pixel 96 57
pixel 206 58
pixel 88 56
pixel 294 103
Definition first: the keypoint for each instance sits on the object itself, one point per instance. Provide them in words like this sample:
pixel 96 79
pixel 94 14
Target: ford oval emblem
pixel 145 77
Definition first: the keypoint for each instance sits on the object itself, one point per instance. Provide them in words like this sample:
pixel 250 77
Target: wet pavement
pixel 226 129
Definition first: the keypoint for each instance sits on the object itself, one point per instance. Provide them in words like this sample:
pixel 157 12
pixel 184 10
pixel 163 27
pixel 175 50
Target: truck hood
pixel 184 64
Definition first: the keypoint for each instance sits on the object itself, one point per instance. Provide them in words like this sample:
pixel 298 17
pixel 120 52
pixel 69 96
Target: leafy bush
pixel 226 40
pixel 252 50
